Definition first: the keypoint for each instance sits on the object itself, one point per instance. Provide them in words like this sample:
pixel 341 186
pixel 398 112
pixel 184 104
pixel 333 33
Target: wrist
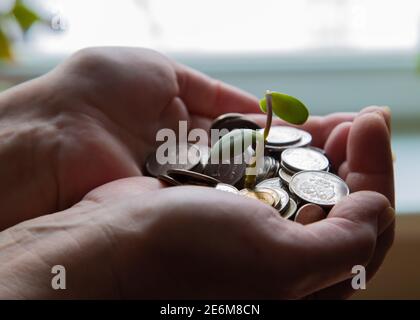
pixel 41 245
pixel 102 244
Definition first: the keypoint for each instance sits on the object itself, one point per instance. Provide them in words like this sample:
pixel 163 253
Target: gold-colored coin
pixel 265 195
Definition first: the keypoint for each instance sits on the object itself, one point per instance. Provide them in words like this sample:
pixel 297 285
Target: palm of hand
pixel 123 98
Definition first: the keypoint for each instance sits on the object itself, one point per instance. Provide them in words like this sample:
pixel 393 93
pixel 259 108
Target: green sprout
pixel 285 107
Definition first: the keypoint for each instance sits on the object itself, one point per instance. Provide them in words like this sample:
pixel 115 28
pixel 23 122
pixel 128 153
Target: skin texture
pixel 72 148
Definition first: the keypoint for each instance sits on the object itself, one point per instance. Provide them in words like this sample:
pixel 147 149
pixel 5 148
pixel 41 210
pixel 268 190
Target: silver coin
pixel 271 183
pixel 325 154
pixel 291 210
pixel 285 176
pixel 305 140
pixel 191 177
pixel 318 187
pixel 230 172
pixel 265 195
pixel 274 184
pixel 173 157
pixel 319 150
pixel 299 159
pixel 284 198
pixel 274 168
pixel 169 180
pixel 275 194
pixel 237 123
pixel 282 135
pixel 226 187
pixel 218 122
pixel 264 172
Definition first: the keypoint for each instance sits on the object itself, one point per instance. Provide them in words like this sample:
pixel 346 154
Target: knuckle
pixel 91 60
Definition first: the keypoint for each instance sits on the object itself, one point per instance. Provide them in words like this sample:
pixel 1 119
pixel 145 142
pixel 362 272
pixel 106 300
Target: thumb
pixel 347 237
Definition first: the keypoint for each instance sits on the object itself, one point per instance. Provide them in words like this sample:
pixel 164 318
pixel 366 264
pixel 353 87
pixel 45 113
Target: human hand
pixel 93 120
pixel 359 148
pixel 129 238
pixel 93 146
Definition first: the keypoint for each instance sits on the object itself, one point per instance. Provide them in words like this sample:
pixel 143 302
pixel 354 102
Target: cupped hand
pixel 359 148
pixel 93 120
pixel 131 239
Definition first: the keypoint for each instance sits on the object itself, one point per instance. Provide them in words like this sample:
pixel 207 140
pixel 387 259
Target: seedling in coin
pixel 284 106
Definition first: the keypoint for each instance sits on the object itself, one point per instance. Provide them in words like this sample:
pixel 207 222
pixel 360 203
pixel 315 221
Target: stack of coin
pixel 269 170
pixel 281 138
pixel 287 206
pixel 294 176
pixel 267 195
pixel 294 160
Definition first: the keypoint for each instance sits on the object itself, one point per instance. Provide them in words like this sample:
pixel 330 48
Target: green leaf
pixel 5 50
pixel 287 108
pixel 25 16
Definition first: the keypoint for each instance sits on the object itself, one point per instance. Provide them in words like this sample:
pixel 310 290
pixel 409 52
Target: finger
pixel 384 111
pixel 320 127
pixel 369 157
pixel 208 97
pixel 121 188
pixel 336 144
pixel 344 290
pixel 345 239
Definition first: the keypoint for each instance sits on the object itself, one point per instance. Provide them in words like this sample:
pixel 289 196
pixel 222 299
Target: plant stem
pixel 269 101
pixel 251 180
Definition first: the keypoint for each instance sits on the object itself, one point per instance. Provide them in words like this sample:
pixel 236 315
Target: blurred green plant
pixel 21 14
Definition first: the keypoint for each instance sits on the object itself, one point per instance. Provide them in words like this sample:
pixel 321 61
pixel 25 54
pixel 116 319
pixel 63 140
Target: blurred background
pixel 336 55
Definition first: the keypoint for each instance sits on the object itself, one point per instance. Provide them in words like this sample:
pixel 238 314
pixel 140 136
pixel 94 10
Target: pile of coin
pixel 296 178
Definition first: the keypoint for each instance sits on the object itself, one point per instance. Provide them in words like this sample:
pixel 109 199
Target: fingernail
pixel 390 212
pixel 388 114
pixel 387 110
